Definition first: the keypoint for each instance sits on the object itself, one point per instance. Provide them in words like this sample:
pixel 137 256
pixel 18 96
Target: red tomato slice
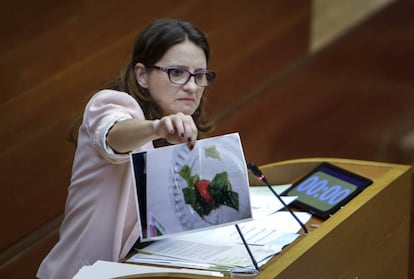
pixel 202 188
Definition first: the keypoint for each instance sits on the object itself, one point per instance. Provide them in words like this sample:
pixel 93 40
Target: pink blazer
pixel 101 221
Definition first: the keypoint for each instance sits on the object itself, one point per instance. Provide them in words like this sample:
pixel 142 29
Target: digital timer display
pixel 326 189
pixel 323 191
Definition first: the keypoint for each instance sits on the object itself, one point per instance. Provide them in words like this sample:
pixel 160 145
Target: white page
pixel 267 205
pixel 263 201
pixel 263 232
pixel 283 221
pixel 107 270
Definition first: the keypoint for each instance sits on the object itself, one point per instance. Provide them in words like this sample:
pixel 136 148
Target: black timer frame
pixel 334 171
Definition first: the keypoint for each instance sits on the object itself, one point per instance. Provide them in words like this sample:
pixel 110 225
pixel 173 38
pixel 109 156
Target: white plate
pixel 206 167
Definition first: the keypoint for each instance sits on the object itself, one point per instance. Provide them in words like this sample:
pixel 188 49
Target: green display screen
pixel 325 189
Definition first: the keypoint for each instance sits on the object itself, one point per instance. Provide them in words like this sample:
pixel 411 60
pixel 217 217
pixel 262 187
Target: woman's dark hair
pixel 149 48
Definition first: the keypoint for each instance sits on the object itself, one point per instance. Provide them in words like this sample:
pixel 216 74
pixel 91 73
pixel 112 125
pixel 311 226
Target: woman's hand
pixel 177 128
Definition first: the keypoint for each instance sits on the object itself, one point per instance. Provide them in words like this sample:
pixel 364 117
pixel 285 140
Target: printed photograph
pixel 180 190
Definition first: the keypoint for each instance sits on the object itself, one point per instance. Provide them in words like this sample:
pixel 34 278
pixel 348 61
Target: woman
pixel 157 100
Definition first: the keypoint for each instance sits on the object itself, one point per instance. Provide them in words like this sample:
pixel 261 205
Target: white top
pixel 101 221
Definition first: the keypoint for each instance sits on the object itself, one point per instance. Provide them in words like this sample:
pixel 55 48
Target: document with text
pixel 221 248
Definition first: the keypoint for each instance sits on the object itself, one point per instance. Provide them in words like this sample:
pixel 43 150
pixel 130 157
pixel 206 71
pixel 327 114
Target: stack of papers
pixel 221 249
pixel 213 252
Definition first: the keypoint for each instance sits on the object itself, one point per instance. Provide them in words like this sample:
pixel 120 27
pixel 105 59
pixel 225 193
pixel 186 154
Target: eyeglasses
pixel 181 76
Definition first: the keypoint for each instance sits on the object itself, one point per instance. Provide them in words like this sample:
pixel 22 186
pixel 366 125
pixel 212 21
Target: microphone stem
pixel 258 173
pixel 285 205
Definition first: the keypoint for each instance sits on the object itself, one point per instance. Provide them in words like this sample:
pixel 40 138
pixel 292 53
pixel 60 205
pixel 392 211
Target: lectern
pixel 367 238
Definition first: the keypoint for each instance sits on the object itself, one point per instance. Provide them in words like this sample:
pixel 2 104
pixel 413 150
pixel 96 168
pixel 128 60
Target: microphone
pixel 258 173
